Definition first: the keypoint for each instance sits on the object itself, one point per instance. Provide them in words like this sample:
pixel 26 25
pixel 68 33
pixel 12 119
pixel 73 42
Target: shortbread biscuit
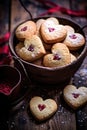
pixel 38 25
pixel 42 109
pixel 25 30
pixel 52 33
pixel 73 57
pixel 69 29
pixel 74 41
pixel 53 19
pixel 32 49
pixel 60 56
pixel 74 97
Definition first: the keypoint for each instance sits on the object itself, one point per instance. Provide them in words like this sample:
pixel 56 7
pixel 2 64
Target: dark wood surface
pixel 19 116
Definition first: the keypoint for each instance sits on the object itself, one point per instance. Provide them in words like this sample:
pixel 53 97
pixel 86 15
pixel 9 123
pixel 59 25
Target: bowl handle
pixel 22 3
pixel 24 69
pixel 27 79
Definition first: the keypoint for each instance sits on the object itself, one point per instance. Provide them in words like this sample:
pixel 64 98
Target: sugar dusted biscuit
pixel 38 25
pixel 31 50
pixel 42 109
pixel 25 30
pixel 53 19
pixel 52 33
pixel 60 56
pixel 69 29
pixel 74 97
pixel 73 57
pixel 74 41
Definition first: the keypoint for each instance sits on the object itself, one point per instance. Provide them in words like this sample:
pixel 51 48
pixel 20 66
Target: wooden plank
pixel 80 78
pixel 4 17
pixel 21 117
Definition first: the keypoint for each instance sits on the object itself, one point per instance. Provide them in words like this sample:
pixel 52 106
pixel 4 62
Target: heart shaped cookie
pixel 74 41
pixel 75 97
pixel 25 30
pixel 60 56
pixel 42 109
pixel 32 49
pixel 52 33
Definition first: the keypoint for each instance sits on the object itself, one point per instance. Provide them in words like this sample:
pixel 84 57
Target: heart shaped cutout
pixel 75 97
pixel 42 109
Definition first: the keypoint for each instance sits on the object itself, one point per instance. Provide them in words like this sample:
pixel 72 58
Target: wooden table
pixel 19 116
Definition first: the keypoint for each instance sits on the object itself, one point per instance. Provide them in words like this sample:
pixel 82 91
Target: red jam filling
pixel 4 88
pixel 73 36
pixel 51 29
pixel 24 28
pixel 75 95
pixel 41 107
pixel 31 48
pixel 56 57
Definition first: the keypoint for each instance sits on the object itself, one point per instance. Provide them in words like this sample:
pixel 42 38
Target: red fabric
pixel 53 7
pixel 5 38
pixel 4 50
pixel 66 11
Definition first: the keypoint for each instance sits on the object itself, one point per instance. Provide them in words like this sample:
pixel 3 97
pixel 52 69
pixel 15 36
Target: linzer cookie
pixel 74 97
pixel 74 41
pixel 60 56
pixel 25 30
pixel 31 50
pixel 42 109
pixel 52 33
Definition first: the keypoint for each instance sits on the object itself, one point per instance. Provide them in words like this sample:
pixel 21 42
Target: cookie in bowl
pixel 32 49
pixel 25 30
pixel 52 33
pixel 74 41
pixel 60 56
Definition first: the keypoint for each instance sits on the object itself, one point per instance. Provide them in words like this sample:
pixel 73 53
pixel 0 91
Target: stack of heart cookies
pixel 47 42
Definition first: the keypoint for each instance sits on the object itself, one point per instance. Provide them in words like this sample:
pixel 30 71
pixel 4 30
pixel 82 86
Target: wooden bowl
pixel 48 75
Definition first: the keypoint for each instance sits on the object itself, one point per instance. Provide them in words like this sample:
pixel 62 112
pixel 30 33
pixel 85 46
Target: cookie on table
pixel 74 41
pixel 52 33
pixel 31 50
pixel 25 30
pixel 42 109
pixel 75 97
pixel 59 57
